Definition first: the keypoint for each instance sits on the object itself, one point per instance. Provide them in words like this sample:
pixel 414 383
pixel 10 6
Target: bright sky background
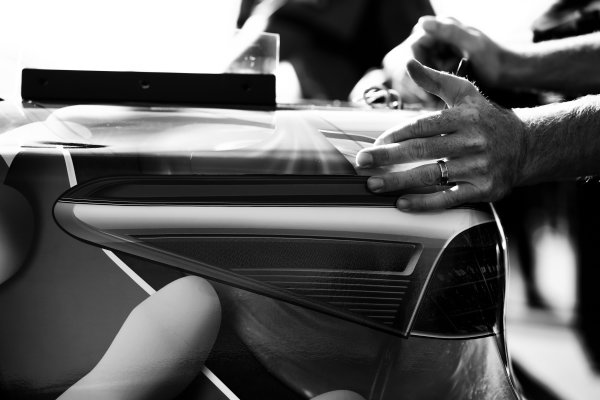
pixel 139 35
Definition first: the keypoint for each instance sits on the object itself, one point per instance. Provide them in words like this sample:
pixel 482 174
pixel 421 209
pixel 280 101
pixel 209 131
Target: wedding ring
pixel 444 172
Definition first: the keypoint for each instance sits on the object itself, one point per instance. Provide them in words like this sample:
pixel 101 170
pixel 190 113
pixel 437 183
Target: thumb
pixel 450 88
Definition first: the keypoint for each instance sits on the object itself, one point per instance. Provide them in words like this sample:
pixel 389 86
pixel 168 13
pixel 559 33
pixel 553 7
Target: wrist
pixel 525 173
pixel 514 69
pixel 560 140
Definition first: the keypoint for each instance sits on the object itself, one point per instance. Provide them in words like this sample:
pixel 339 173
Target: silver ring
pixel 444 171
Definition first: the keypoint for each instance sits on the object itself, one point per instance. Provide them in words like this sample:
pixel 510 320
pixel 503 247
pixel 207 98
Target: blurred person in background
pixel 331 44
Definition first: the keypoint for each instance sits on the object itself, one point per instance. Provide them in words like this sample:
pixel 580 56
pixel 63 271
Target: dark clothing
pixel 567 18
pixel 332 43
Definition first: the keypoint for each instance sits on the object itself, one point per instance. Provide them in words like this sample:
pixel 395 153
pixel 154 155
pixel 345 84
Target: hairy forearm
pixel 563 140
pixel 569 66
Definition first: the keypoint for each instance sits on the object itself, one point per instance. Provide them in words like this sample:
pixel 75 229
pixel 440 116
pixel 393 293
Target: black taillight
pixel 465 296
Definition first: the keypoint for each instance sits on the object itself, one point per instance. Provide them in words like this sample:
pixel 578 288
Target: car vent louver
pixel 366 278
pixel 372 296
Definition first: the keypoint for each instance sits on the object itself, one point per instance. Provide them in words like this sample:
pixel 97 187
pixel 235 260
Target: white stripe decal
pixel 138 279
pixel 130 273
pixel 69 165
pixel 219 384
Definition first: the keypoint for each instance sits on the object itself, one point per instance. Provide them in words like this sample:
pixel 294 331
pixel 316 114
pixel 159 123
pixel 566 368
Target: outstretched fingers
pixel 411 150
pixel 451 197
pixel 436 123
pixel 423 176
pixel 458 170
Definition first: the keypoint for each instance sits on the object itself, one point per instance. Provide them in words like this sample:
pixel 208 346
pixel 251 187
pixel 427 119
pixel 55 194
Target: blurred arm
pixel 570 65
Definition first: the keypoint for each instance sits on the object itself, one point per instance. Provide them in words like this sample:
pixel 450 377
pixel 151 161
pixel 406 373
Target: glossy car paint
pixel 48 149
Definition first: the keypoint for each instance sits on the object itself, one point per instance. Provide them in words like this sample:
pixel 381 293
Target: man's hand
pixel 440 43
pixel 484 147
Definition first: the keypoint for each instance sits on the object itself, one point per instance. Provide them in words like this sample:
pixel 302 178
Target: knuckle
pixel 480 143
pixel 487 188
pixel 484 142
pixel 431 176
pixel 392 182
pixel 483 166
pixel 417 128
pixel 417 149
pixel 381 155
pixel 475 115
pixel 451 116
pixel 471 114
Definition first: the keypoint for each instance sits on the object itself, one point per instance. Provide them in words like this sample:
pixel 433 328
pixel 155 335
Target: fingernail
pixel 403 204
pixel 364 160
pixel 375 184
pixel 429 24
